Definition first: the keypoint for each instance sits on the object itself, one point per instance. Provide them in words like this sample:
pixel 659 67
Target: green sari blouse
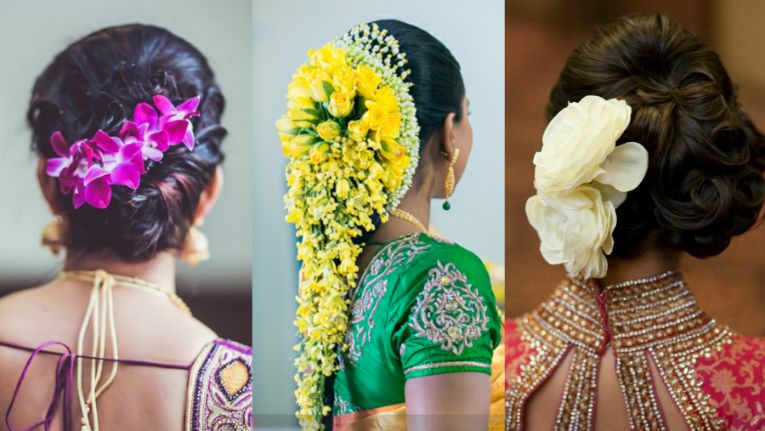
pixel 423 306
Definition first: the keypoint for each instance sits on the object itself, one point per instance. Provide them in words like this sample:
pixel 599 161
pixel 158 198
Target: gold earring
pixel 196 248
pixel 449 181
pixel 51 235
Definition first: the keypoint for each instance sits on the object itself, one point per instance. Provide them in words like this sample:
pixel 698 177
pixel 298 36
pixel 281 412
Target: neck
pixel 159 271
pixel 415 203
pixel 649 264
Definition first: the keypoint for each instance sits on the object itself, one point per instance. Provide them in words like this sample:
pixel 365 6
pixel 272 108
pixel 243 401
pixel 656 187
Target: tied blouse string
pixel 99 319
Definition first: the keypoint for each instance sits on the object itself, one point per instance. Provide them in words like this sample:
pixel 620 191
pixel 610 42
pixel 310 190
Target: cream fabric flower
pixel 581 177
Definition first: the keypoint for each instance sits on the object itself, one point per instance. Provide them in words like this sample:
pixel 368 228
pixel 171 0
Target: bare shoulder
pixel 148 327
pixel 20 309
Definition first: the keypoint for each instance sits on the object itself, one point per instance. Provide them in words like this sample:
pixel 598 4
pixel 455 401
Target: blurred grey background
pixel 32 32
pixel 283 32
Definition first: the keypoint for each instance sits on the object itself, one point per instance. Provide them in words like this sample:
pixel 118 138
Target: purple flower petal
pixel 94 172
pixel 85 150
pixel 126 174
pixel 139 163
pixel 128 129
pixel 176 131
pixel 98 193
pixel 105 142
pixel 67 182
pixel 145 114
pixel 130 151
pixel 152 153
pixel 55 165
pixel 58 143
pixel 161 139
pixel 189 106
pixel 189 139
pixel 143 129
pixel 164 104
pixel 78 196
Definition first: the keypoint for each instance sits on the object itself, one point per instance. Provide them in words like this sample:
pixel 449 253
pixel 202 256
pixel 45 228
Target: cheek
pixel 465 144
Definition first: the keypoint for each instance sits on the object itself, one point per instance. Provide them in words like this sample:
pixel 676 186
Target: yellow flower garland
pixel 351 136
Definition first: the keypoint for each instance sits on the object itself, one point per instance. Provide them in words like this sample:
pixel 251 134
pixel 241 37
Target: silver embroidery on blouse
pixel 372 288
pixel 449 311
pixel 343 407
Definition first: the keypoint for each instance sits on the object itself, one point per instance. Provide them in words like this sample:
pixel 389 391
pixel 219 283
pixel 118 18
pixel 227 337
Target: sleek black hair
pixel 438 88
pixel 95 83
pixel 705 175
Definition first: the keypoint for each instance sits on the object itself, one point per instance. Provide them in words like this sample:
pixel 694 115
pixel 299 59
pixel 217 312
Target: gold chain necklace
pixel 132 283
pixel 407 217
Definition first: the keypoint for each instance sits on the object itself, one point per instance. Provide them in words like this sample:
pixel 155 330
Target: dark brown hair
pixel 95 83
pixel 705 175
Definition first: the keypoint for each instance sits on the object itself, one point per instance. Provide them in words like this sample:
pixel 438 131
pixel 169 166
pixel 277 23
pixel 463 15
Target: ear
pixel 209 196
pixel 448 137
pixel 48 186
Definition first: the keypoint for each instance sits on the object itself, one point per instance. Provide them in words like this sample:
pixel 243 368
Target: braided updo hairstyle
pixel 705 174
pixel 95 83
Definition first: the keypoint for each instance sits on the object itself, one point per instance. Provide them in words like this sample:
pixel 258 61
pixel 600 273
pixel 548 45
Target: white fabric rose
pixel 581 178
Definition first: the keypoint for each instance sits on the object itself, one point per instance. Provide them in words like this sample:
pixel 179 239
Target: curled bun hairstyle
pixel 95 83
pixel 705 175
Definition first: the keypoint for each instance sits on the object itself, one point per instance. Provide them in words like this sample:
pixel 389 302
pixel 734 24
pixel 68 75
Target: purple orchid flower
pixel 90 167
pixel 72 167
pixel 176 119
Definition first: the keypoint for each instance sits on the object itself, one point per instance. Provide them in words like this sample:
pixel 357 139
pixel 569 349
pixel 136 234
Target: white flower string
pixel 373 47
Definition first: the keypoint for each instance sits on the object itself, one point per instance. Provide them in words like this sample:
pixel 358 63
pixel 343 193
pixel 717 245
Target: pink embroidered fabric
pixel 734 379
pixel 658 335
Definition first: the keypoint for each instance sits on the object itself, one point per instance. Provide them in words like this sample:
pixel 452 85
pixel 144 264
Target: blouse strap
pixel 62 393
pixel 65 378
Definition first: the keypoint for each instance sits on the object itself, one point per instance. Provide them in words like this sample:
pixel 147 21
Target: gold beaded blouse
pixel 715 377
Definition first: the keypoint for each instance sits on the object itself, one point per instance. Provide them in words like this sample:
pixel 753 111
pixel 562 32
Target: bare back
pixel 149 328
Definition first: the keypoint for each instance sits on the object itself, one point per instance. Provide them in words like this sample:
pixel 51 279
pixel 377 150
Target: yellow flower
pixel 302 115
pixel 344 80
pixel 391 127
pixel 328 57
pixel 342 188
pixel 386 99
pixel 298 145
pixel 383 114
pixel 340 104
pixel 328 130
pixel 392 150
pixel 367 81
pixel 320 86
pixel 374 117
pixel 318 153
pixel 286 128
pixel 299 88
pixel 358 130
pixel 336 187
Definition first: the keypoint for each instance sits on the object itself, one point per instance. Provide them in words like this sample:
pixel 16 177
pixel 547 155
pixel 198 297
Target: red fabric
pixel 517 351
pixel 734 379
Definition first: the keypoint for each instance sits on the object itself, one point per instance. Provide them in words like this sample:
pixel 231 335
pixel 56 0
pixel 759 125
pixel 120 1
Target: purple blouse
pixel 219 393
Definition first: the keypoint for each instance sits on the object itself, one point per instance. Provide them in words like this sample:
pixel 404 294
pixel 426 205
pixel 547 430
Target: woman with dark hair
pixel 126 125
pixel 648 156
pixel 399 327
